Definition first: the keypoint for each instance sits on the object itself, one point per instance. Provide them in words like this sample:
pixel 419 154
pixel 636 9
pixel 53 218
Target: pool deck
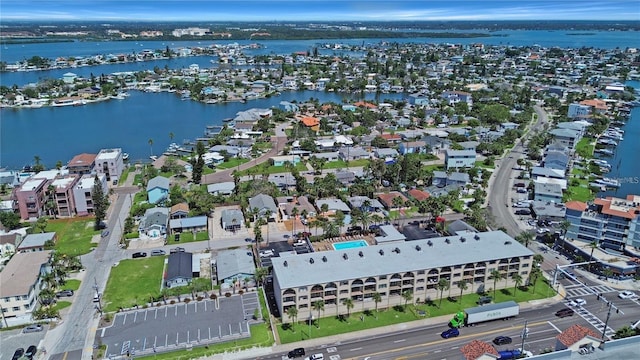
pixel 326 245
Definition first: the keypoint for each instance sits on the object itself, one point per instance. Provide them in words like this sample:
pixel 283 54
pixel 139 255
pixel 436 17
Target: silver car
pixel 32 328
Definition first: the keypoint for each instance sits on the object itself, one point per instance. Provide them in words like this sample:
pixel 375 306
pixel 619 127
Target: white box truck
pixel 504 310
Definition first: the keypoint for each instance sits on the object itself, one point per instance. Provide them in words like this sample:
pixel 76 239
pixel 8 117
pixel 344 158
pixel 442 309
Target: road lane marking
pixel 399 341
pixel 135 317
pixel 553 326
pixel 156 316
pixel 166 339
pixel 355 349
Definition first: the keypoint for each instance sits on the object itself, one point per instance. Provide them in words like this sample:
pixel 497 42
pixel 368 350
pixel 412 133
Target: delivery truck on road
pixel 469 317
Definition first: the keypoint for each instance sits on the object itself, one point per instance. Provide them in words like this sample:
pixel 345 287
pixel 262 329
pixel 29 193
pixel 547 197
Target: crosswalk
pixel 593 320
pixel 580 290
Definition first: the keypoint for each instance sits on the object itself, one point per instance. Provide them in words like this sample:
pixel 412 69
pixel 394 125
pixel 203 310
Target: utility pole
pixel 524 335
pixel 606 322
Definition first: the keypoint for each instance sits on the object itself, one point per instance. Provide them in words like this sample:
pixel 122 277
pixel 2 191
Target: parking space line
pixel 145 315
pixel 156 316
pixel 144 343
pixel 165 311
pixel 124 319
pixel 166 339
pixel 135 317
pixel 209 333
pixel 177 338
pixel 155 340
pixel 187 336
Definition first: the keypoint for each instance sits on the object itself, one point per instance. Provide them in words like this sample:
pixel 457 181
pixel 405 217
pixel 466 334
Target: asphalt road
pixel 501 193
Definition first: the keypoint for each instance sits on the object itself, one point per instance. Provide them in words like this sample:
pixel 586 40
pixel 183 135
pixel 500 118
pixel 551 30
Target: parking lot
pixel 11 340
pixel 171 327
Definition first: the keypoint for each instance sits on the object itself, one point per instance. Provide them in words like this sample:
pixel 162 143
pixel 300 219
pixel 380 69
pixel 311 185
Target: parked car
pixel 31 351
pixel 248 240
pixel 176 250
pixel 502 340
pixel 62 293
pixel 453 332
pixel 626 294
pixel 523 212
pixel 18 354
pixel 318 356
pixel 96 298
pixel 157 252
pixel 562 313
pixel 484 300
pixel 105 233
pixel 139 254
pixel 297 352
pixel 47 301
pixel 32 328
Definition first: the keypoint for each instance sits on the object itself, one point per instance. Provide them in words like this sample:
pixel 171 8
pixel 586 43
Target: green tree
pixel 462 285
pixel 442 285
pixel 525 238
pixel 348 302
pixel 318 306
pixel 198 165
pixel 37 167
pixel 260 274
pixel 377 298
pixel 150 142
pixel 292 313
pixel 100 202
pixel 495 276
pixel 593 245
pixel 517 280
pixel 407 295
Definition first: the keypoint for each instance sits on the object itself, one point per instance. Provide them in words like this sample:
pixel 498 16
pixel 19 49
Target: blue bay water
pixel 59 133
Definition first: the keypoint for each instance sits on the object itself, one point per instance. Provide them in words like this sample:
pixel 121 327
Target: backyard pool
pixel 349 244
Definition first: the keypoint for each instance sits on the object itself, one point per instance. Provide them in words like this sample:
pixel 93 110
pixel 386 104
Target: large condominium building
pixel 82 193
pixel 611 222
pixel 109 163
pixel 192 31
pixel 394 268
pixel 31 197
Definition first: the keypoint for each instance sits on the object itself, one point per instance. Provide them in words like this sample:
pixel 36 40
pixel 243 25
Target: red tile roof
pixel 477 348
pixel 180 207
pixel 418 194
pixel 387 198
pixel 389 137
pixel 627 212
pixel 365 104
pixel 310 121
pixel 576 205
pixel 83 159
pixel 574 334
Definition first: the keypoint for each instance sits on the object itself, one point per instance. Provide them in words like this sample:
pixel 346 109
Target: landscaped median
pixel 358 320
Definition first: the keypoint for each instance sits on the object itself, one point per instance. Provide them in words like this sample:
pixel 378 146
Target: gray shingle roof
pixel 233 262
pixel 160 182
pixel 383 259
pixel 263 202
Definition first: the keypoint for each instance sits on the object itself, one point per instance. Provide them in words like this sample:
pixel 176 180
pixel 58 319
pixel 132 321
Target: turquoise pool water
pixel 349 244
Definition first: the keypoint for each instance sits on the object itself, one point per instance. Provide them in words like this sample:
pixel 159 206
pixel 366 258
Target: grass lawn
pixel 61 305
pixel 340 164
pixel 332 325
pixel 133 282
pixel 187 237
pixel 585 147
pixel 74 235
pixel 482 165
pixel 270 169
pixel 578 193
pixel 233 162
pixel 72 284
pixel 260 337
pixel 137 179
pixel 125 175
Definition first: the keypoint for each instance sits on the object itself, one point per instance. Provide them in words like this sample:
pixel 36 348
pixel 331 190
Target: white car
pixel 319 356
pixel 542 231
pixel 626 295
pixel 578 302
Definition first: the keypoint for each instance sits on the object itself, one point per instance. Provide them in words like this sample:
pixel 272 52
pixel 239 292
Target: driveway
pixel 14 339
pixel 171 327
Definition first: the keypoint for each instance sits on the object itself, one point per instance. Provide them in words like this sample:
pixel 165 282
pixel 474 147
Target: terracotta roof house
pixel 365 105
pixel 392 138
pixel 418 195
pixel 82 164
pixel 387 200
pixel 178 211
pixel 576 337
pixel 479 350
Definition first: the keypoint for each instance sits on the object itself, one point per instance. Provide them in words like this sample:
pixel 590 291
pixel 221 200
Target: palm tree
pixel 537 259
pixel 150 142
pixel 292 313
pixel 294 215
pixel 376 298
pixel 593 245
pixel 407 295
pixel 348 302
pixel 517 279
pixel 495 275
pixel 525 238
pixel 462 285
pixel 260 274
pixel 534 275
pixel 442 285
pixel 318 306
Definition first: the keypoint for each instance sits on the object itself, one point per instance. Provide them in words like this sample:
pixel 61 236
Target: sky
pixel 318 10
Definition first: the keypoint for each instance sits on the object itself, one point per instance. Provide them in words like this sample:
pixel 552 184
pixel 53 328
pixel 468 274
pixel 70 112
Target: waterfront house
pixel 231 219
pixel 419 99
pixel 109 162
pixel 235 268
pixel 69 78
pixel 310 122
pixel 223 188
pixel 82 164
pixel 158 189
pixel 459 158
pixel 578 111
pixel 83 193
pixel 556 160
pixel 189 224
pixel 265 207
pixel 36 242
pixel 154 222
pixel 179 270
pixel 566 137
pixel 538 171
pixel 21 281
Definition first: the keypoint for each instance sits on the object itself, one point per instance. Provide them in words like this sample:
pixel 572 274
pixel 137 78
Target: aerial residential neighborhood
pixel 477 190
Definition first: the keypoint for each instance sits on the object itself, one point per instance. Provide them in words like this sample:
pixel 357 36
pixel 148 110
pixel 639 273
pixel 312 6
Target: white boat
pixel 125 156
pixel 153 157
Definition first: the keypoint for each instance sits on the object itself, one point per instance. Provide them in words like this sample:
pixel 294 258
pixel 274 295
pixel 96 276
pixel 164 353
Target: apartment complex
pixel 393 268
pixel 109 162
pixel 63 194
pixel 30 198
pixel 82 193
pixel 21 283
pixel 611 222
pixel 82 164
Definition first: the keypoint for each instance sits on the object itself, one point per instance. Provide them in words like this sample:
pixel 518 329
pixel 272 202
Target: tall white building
pixel 82 193
pixel 109 163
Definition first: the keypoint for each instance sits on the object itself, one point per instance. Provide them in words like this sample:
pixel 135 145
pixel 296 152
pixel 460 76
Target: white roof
pixel 108 154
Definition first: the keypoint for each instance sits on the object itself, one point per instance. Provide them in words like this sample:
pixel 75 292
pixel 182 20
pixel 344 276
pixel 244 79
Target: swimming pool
pixel 349 244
